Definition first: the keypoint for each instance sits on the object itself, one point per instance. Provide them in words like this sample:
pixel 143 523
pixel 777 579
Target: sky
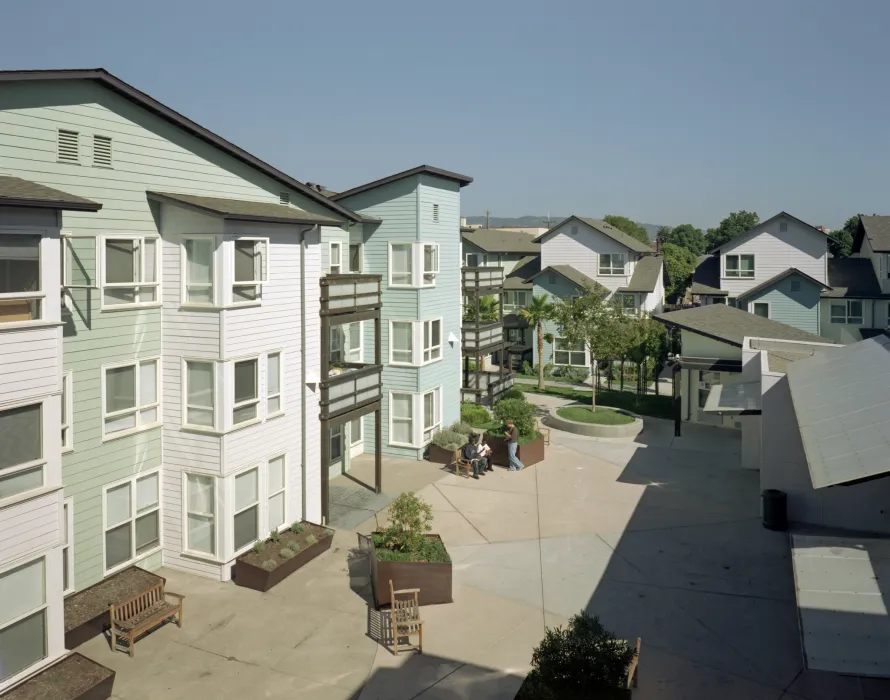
pixel 667 112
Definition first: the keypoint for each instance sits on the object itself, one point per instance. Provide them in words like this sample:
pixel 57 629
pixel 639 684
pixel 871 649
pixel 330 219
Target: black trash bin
pixel 774 509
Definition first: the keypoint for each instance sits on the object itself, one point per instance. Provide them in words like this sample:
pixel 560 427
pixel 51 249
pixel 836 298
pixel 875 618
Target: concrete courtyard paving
pixel 660 537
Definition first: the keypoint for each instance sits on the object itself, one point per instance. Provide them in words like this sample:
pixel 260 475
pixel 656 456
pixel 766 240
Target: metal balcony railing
pixel 481 339
pixel 348 294
pixel 482 280
pixel 359 385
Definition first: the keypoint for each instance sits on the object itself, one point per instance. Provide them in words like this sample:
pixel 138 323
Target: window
pixel 199 394
pixel 355 257
pixel 199 270
pixel 276 482
pixel 627 304
pixel 569 353
pixel 733 302
pixel 354 342
pixel 246 391
pixel 251 266
pixel 611 263
pixel 430 264
pixel 334 255
pixel 284 198
pixel 132 520
pixel 67 548
pixel 131 396
pixel 67 410
pixel 432 340
pixel 69 146
pixel 21 459
pixel 432 417
pixel 273 383
pixel 473 260
pixel 761 308
pixel 401 411
pixel 515 300
pixel 247 508
pixel 101 151
pixel 849 312
pixel 436 213
pixel 20 295
pixel 22 617
pixel 413 264
pixel 401 342
pixel 515 335
pixel 336 444
pixel 201 513
pixel 130 271
pixel 355 432
pixel 739 266
pixel 400 256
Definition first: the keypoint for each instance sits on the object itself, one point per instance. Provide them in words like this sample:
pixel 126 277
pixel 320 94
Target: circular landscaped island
pixel 602 421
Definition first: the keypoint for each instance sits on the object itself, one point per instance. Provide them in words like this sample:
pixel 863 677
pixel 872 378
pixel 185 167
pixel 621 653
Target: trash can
pixel 774 509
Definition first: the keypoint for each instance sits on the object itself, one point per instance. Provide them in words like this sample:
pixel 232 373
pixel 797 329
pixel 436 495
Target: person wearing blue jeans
pixel 512 445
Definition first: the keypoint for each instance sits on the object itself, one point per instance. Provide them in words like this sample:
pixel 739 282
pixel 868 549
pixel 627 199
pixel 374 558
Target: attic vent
pixel 284 197
pixel 574 230
pixel 783 226
pixel 436 213
pixel 795 285
pixel 69 151
pixel 102 151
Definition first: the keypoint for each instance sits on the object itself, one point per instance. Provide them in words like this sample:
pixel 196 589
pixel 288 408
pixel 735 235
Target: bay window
pixel 276 486
pixel 401 412
pixel 430 264
pixel 273 383
pixel 250 269
pixel 415 343
pixel 612 263
pixel 22 618
pixel 199 393
pixel 132 512
pixel 432 340
pixel 201 513
pixel 20 295
pixel 413 264
pixel 515 300
pixel 407 431
pixel 246 391
pixel 432 414
pixel 400 262
pixel 569 353
pixel 131 397
pixel 21 458
pixel 247 508
pixel 199 270
pixel 130 271
pixel 849 312
pixel 741 266
pixel 401 342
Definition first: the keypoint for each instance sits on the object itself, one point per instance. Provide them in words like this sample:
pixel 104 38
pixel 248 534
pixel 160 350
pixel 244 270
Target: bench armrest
pixel 407 590
pixel 175 595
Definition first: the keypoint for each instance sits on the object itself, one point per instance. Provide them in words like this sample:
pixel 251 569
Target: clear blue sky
pixel 665 112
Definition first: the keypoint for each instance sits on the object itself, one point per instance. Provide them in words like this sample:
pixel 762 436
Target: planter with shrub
pixel 531 442
pixel 73 677
pixel 410 556
pixel 446 441
pixel 582 661
pixel 475 415
pixel 269 562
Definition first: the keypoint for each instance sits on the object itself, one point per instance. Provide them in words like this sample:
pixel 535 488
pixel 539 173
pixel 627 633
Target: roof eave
pixel 228 216
pixel 697 331
pixel 50 204
pixel 462 180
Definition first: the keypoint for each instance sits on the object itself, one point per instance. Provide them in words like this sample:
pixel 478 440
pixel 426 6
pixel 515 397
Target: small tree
pixel 536 313
pixel 410 519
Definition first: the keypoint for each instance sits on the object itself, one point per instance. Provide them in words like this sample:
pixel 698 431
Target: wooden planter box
pixel 259 579
pixel 433 580
pixel 529 453
pixel 86 612
pixel 439 455
pixel 74 677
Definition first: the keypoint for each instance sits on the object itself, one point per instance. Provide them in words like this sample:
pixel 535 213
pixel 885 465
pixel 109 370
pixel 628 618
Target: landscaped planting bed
pixel 599 416
pixel 273 560
pixel 73 678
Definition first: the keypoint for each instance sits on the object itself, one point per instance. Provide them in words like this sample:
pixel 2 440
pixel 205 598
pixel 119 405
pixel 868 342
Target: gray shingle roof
pixel 730 325
pixel 646 274
pixel 493 240
pixel 14 191
pixel 776 278
pixel 706 278
pixel 579 279
pixel 877 229
pixel 243 210
pixel 461 180
pixel 527 267
pixel 606 229
pixel 853 278
pixel 842 403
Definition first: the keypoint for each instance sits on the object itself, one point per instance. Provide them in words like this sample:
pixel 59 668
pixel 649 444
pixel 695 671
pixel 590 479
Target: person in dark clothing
pixel 470 453
pixel 512 445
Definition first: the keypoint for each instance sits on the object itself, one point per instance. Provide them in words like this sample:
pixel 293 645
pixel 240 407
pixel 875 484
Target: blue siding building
pixel 791 297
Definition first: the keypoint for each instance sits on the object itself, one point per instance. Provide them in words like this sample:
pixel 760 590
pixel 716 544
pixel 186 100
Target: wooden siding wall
pixel 799 309
pixel 560 288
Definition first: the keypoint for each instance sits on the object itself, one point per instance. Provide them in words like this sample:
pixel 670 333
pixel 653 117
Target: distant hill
pixel 498 221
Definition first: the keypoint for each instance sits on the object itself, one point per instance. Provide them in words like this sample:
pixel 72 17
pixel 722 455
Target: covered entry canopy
pixel 740 399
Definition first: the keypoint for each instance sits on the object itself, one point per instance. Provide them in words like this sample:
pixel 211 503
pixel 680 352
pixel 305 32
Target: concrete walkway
pixel 660 537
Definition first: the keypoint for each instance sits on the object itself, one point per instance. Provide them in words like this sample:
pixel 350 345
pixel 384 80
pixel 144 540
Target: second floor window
pixel 130 271
pixel 612 263
pixel 413 264
pixel 355 257
pixel 740 266
pixel 273 384
pixel 21 459
pixel 131 397
pixel 401 260
pixel 515 300
pixel 432 340
pixel 401 342
pixel 199 270
pixel 251 264
pixel 199 394
pixel 20 295
pixel 246 392
pixel 430 264
pixel 335 265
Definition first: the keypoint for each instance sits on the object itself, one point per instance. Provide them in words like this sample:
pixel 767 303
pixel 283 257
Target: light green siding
pixel 798 308
pixel 560 287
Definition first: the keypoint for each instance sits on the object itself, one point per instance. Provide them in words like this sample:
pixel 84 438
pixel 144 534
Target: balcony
pixel 358 386
pixel 482 280
pixel 350 295
pixel 481 339
pixel 485 387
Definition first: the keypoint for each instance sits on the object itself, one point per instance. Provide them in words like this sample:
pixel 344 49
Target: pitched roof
pixel 777 278
pixel 526 267
pixel 730 325
pixel 579 279
pixel 493 240
pixel 128 92
pixel 754 230
pixel 842 404
pixel 243 210
pixel 647 271
pixel 706 278
pixel 461 180
pixel 877 228
pixel 16 192
pixel 852 278
pixel 607 230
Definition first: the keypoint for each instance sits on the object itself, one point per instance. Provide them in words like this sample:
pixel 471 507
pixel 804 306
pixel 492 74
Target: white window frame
pixel 631 310
pixel 570 353
pixel 355 354
pixel 40 462
pixel 185 396
pixel 412 419
pixel 137 284
pixel 428 277
pixel 403 363
pixel 264 272
pixel 132 519
pixel 430 430
pixel 428 350
pixel 43 608
pixel 421 434
pixel 477 257
pixel 738 271
pixel 138 408
pixel 39 295
pixel 280 393
pixel 420 277
pixel 353 440
pixel 769 309
pixel 68 410
pixel 184 283
pixel 68 546
pixel 361 258
pixel 255 401
pixel 332 245
pixel 214 516
pixel 612 270
pixel 511 299
pixel 282 491
pixel 848 318
pixel 257 503
pixel 421 353
pixel 68 257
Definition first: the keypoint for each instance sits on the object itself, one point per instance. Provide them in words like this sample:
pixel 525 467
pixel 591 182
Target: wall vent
pixel 783 226
pixel 284 198
pixel 69 150
pixel 102 151
pixel 795 285
pixel 436 213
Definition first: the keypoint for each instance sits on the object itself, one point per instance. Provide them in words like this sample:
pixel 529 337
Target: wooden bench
pixel 461 463
pixel 142 612
pixel 405 614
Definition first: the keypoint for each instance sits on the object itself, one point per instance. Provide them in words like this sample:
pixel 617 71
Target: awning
pixel 738 399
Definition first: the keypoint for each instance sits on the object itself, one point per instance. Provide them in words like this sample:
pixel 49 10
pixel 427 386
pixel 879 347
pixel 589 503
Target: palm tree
pixel 662 235
pixel 536 313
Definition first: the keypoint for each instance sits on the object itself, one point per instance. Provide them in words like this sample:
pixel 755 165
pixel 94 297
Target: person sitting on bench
pixel 484 455
pixel 470 453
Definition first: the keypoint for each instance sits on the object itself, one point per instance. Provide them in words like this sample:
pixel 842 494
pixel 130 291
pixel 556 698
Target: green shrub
pixel 527 369
pixel 431 550
pixel 311 539
pixel 269 564
pixel 514 393
pixel 296 527
pixel 259 546
pixel 410 519
pixel 463 428
pixel 274 536
pixel 473 414
pixel 583 660
pixel 576 375
pixel 294 546
pixel 449 439
pixel 520 412
pixel 286 553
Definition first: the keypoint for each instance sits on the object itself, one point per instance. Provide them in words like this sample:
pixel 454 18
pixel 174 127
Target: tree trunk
pixel 594 384
pixel 621 387
pixel 540 356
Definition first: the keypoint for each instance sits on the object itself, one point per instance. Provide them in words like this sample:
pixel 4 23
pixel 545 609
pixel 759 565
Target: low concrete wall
pixel 593 429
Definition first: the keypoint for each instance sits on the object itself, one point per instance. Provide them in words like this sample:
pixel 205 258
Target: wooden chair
pixel 405 615
pixel 544 431
pixel 632 671
pixel 142 612
pixel 461 463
